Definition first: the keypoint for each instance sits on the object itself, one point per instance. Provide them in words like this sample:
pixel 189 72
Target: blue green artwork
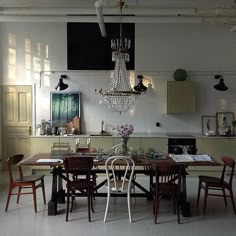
pixel 65 106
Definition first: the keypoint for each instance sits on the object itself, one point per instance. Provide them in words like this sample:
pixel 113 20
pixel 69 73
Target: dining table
pixel 143 166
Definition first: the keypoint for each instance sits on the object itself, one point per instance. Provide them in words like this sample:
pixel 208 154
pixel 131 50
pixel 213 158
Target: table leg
pixel 61 191
pixel 52 204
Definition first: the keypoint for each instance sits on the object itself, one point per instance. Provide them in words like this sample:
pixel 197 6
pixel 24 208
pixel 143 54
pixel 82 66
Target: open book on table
pixel 190 158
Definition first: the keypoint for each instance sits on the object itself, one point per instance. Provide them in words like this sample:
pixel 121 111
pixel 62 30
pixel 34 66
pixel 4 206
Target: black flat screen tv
pixel 88 50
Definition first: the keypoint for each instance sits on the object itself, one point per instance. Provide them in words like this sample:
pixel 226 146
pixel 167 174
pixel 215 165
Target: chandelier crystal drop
pixel 120 97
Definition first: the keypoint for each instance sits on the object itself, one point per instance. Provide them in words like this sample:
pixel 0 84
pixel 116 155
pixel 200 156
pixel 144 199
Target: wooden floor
pixel 21 220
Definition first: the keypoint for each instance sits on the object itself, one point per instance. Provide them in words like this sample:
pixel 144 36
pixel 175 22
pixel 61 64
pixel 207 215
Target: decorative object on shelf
pixel 180 75
pixel 221 85
pixel 61 85
pixel 140 87
pixel 209 125
pixel 120 97
pixel 124 131
pixel 224 122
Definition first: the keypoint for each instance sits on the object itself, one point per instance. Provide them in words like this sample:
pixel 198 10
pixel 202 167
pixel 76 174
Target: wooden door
pixel 16 120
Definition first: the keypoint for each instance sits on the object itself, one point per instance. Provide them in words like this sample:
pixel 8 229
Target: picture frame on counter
pixel 224 123
pixel 209 125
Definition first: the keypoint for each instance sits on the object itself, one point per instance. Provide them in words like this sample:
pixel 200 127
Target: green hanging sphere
pixel 180 75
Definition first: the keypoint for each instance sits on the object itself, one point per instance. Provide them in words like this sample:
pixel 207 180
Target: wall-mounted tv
pixel 88 50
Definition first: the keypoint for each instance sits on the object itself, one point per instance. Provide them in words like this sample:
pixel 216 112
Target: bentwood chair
pixel 167 183
pixel 23 182
pixel 78 172
pixel 119 172
pixel 218 184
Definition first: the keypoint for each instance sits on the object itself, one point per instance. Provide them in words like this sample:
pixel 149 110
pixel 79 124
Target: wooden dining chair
pixel 119 172
pixel 167 183
pixel 23 182
pixel 218 184
pixel 78 172
pixel 88 150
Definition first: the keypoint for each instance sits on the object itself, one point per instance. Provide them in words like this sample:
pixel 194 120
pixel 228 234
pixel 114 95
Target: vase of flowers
pixel 125 131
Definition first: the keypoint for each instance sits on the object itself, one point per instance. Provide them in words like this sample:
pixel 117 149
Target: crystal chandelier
pixel 120 97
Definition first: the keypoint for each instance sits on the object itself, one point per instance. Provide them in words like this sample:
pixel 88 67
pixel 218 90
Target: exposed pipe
pixel 125 19
pixel 127 10
pixel 101 24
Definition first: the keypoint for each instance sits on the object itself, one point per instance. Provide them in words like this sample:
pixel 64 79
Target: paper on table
pixel 182 158
pixel 202 157
pixel 50 160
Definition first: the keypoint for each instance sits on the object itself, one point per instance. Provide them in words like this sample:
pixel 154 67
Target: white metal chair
pixel 119 172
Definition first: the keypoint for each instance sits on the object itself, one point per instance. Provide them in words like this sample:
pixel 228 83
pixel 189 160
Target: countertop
pixel 139 135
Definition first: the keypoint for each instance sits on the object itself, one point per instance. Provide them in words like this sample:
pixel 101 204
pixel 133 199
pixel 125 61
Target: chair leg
pixel 224 195
pixel 205 200
pixel 107 206
pixel 178 211
pixel 232 200
pixel 156 209
pixel 129 211
pixel 199 192
pixel 34 198
pixel 8 198
pixel 89 206
pixel 43 190
pixel 67 204
pixel 18 196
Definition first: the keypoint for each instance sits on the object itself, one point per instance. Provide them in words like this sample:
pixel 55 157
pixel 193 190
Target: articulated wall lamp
pixel 61 86
pixel 221 85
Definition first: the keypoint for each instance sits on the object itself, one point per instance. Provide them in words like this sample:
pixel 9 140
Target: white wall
pixel 202 49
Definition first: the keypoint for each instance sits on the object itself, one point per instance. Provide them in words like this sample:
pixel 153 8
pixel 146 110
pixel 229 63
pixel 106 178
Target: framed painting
pixel 209 125
pixel 65 111
pixel 224 123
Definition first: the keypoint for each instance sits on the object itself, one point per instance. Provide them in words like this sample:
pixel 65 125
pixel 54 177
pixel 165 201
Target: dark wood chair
pixel 84 150
pixel 218 184
pixel 23 182
pixel 88 150
pixel 167 183
pixel 78 172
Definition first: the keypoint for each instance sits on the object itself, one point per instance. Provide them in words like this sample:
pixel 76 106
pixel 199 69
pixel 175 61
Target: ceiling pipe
pixel 98 6
pixel 125 19
pixel 127 10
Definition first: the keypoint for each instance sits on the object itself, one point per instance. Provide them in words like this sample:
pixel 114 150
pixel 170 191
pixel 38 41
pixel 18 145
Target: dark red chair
pixel 23 182
pixel 167 183
pixel 78 173
pixel 218 184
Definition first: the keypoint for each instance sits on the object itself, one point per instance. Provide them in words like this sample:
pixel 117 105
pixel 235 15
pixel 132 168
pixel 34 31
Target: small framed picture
pixel 209 125
pixel 224 123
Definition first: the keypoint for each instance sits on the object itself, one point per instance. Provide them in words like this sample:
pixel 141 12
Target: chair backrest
pixel 228 163
pixel 12 161
pixel 78 165
pixel 86 150
pixel 167 176
pixel 119 171
pixel 117 149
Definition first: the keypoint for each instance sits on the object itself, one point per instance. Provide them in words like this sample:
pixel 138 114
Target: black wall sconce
pixel 221 85
pixel 61 85
pixel 140 87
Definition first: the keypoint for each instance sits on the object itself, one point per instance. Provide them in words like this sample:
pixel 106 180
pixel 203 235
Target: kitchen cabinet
pixel 181 97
